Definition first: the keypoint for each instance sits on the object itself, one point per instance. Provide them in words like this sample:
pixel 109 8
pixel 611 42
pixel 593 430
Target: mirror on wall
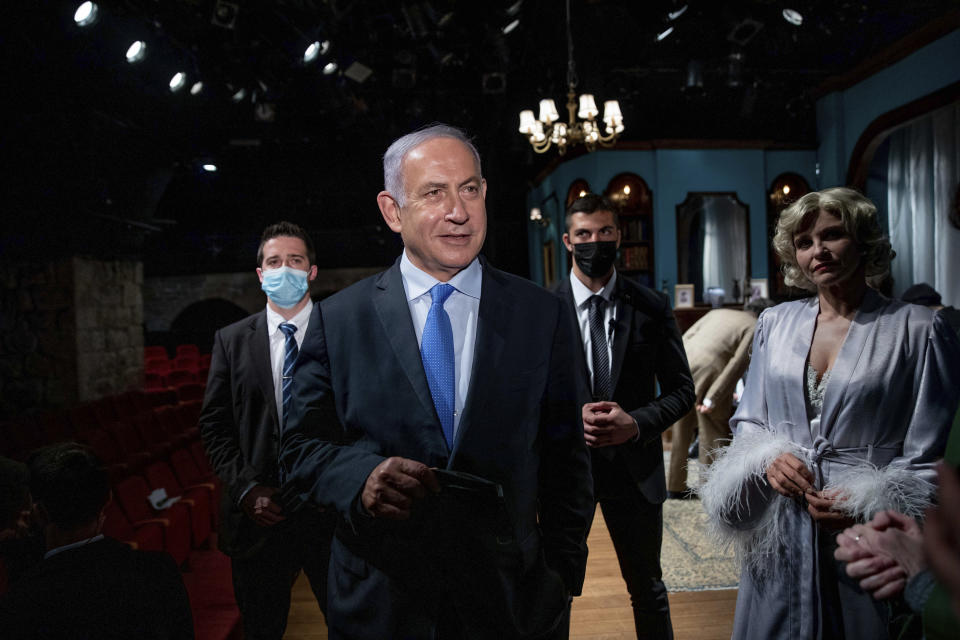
pixel 713 245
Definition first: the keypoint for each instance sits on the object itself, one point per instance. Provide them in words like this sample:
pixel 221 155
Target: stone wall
pixel 164 298
pixel 70 331
pixel 108 301
pixel 38 355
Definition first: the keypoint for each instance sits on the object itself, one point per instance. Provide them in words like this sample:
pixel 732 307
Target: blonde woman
pixel 847 404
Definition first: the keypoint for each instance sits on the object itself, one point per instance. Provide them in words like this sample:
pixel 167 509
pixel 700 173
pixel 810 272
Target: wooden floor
pixel 601 613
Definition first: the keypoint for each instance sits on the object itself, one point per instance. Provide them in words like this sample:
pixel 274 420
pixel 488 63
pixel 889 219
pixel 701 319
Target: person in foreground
pixel 892 555
pixel 438 367
pixel 627 344
pixel 89 586
pixel 848 401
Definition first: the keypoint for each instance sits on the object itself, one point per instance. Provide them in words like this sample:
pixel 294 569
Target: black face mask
pixel 595 258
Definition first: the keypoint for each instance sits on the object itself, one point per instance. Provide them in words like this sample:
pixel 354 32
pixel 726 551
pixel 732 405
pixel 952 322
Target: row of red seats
pixel 149 441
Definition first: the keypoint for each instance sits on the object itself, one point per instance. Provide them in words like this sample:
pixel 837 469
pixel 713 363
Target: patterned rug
pixel 690 560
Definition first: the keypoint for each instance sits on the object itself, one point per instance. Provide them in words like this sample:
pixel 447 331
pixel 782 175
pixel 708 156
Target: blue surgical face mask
pixel 284 286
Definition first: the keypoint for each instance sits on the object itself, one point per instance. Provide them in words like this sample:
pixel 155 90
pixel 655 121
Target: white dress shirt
pixel 581 297
pixel 462 306
pixel 278 342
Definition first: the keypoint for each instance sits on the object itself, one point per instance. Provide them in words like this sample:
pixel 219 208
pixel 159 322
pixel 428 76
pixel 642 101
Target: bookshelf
pixel 635 202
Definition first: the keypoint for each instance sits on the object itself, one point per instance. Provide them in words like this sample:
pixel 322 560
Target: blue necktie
pixel 436 349
pixel 290 351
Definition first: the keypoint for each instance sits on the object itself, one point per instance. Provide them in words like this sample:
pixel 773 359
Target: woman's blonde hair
pixel 859 218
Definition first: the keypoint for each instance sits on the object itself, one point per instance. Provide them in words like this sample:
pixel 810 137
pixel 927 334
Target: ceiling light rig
pixel 86 14
pixel 548 130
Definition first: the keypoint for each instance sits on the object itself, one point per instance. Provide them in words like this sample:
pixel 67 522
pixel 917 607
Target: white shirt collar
pixel 274 319
pixel 417 282
pixel 581 293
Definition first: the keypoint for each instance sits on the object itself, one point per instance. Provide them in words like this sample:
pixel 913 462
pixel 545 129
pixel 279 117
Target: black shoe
pixel 686 494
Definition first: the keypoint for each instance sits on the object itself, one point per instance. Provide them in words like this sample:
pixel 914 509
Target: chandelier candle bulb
pixel 588 107
pixel 527 121
pixel 548 111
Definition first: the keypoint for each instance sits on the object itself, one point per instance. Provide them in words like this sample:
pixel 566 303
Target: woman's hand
pixel 822 507
pixel 789 476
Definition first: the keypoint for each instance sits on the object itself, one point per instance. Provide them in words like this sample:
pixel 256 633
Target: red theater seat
pixel 198 497
pixel 131 493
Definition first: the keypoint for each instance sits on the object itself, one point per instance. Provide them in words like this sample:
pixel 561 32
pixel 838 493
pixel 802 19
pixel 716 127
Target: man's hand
pixel 606 424
pixel 704 408
pixel 941 535
pixel 789 476
pixel 259 506
pixel 822 507
pixel 394 484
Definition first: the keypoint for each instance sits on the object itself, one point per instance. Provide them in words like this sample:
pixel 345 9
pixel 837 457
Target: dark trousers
pixel 636 529
pixel 262 582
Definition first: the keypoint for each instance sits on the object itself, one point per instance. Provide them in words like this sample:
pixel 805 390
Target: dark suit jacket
pixel 239 425
pixel 647 350
pixel 103 589
pixel 360 378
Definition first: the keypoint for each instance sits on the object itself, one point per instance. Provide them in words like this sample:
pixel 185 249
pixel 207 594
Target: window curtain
pixel 724 245
pixel 923 171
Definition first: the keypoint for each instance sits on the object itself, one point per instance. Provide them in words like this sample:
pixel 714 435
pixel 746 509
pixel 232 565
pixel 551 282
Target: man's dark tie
pixel 436 350
pixel 598 349
pixel 290 351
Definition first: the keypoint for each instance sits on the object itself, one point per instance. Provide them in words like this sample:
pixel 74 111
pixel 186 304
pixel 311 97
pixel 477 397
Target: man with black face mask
pixel 630 343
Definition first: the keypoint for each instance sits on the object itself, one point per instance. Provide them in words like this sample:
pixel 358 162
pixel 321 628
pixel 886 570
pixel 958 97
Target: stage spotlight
pixel 196 88
pixel 86 14
pixel 311 53
pixel 239 95
pixel 324 47
pixel 330 68
pixel 210 167
pixel 793 17
pixel 136 51
pixel 510 27
pixel 664 34
pixel 178 81
pixel 673 15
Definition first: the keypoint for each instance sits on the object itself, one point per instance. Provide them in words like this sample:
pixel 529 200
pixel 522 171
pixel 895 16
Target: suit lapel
pixel 621 332
pixel 492 319
pixel 260 354
pixel 566 292
pixel 391 304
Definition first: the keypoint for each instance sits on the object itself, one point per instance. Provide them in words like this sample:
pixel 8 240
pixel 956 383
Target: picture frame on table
pixel 759 288
pixel 682 296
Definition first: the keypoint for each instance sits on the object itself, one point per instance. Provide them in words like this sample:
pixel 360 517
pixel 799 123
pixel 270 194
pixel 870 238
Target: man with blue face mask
pixel 269 541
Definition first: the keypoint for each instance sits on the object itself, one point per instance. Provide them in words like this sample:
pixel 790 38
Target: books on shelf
pixel 634 229
pixel 635 258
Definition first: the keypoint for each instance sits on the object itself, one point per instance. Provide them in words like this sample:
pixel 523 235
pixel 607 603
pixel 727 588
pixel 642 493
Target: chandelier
pixel 547 130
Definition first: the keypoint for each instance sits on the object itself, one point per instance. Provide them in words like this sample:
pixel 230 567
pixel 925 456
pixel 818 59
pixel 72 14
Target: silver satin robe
pixel 889 402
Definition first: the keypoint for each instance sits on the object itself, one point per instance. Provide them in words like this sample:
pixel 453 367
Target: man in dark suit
pixel 628 344
pixel 443 365
pixel 89 586
pixel 240 424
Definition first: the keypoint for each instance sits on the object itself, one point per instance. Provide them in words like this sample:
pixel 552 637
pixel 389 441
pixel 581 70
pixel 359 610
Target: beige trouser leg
pixel 714 430
pixel 682 437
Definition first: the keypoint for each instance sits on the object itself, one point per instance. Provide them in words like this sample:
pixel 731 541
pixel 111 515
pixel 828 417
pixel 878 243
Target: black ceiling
pixel 103 149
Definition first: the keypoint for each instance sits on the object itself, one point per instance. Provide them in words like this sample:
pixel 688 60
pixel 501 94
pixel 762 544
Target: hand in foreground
pixel 883 554
pixel 789 476
pixel 704 408
pixel 941 535
pixel 822 507
pixel 606 424
pixel 259 506
pixel 394 484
